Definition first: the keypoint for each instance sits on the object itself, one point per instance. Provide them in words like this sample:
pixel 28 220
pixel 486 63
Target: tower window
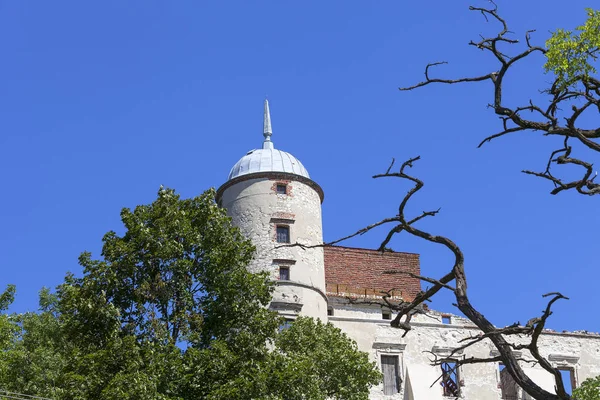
pixel 330 311
pixel 386 314
pixel 281 188
pixel 284 273
pixel 283 234
pixel 446 319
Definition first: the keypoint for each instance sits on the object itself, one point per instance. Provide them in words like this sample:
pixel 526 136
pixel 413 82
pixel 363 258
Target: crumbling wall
pixel 429 336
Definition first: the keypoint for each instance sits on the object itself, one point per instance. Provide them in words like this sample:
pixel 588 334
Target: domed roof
pixel 267 159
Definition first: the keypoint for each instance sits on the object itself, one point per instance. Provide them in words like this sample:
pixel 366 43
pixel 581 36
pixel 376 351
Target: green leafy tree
pixel 34 358
pixel 8 328
pixel 324 355
pixel 177 275
pixel 309 360
pixel 171 312
pixel 175 281
pixel 589 390
pixel 571 55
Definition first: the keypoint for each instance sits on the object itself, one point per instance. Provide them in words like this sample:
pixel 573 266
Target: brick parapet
pixel 359 272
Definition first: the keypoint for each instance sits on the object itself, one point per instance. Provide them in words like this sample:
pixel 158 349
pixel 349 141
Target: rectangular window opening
pixel 330 311
pixel 446 319
pixel 508 387
pixel 450 379
pixel 283 234
pixel 386 314
pixel 568 377
pixel 284 273
pixel 391 374
pixel 281 188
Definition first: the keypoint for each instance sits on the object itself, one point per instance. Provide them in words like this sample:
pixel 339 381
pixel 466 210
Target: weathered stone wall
pixel 257 209
pixel 578 351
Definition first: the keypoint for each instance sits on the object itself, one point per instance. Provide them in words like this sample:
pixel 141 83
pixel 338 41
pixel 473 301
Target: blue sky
pixel 101 103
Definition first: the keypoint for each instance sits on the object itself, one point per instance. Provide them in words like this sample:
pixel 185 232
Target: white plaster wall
pixel 374 336
pixel 252 205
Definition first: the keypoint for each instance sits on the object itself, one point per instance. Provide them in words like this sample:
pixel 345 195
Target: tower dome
pixel 267 159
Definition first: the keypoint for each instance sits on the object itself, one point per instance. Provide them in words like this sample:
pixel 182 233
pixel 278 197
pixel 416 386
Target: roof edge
pixel 364 249
pixel 270 175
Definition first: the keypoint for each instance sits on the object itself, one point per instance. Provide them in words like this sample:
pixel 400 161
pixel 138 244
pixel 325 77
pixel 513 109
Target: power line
pixel 5 394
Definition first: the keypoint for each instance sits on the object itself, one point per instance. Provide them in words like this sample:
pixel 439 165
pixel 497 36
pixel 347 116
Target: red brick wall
pixel 352 271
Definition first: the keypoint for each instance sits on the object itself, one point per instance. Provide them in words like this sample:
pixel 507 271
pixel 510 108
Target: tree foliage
pixel 571 56
pixel 170 312
pixel 588 390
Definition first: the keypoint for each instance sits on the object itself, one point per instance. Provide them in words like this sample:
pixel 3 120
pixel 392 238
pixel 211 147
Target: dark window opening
pixel 283 234
pixel 391 374
pixel 330 311
pixel 284 273
pixel 385 314
pixel 281 188
pixel 508 387
pixel 446 319
pixel 450 378
pixel 568 377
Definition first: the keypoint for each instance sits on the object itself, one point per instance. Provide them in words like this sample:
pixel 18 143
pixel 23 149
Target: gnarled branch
pixel 457 276
pixel 580 96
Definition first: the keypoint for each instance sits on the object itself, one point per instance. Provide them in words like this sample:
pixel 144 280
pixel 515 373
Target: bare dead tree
pixel 551 120
pixel 455 280
pixel 560 117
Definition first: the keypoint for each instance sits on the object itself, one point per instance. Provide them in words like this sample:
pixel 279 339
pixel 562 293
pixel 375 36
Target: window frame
pixel 287 230
pixel 456 381
pixel 284 268
pixel 507 385
pixel 386 314
pixel 572 377
pixel 279 186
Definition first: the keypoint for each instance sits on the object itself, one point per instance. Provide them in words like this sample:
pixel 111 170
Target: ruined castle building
pixel 272 199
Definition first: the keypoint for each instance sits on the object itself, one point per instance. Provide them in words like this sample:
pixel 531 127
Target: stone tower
pixel 271 198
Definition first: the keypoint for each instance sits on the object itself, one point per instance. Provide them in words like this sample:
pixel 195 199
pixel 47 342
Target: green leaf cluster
pixel 571 55
pixel 170 312
pixel 588 390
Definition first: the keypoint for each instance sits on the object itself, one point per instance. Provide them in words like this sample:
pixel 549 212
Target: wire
pixel 5 394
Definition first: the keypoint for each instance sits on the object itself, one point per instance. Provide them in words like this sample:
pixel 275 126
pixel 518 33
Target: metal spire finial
pixel 267 131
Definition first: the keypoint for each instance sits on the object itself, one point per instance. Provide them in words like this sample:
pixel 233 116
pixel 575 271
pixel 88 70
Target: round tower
pixel 271 198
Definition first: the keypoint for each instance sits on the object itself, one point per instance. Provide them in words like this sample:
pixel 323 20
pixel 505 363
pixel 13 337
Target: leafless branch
pixel 497 336
pixel 542 120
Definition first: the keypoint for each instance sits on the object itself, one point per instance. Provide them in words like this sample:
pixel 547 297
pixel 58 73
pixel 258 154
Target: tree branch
pixel 545 121
pixel 406 310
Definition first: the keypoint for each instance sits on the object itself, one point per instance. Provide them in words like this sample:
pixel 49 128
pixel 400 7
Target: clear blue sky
pixel 101 103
